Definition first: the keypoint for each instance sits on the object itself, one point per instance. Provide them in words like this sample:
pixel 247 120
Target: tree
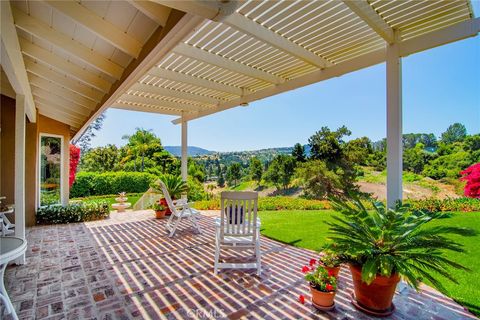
pixel 414 159
pixel 234 173
pixel 298 152
pixel 281 171
pixel 327 145
pixel 100 159
pixel 221 180
pixel 256 169
pixel 86 138
pixel 358 150
pixel 140 142
pixel 320 182
pixel 455 133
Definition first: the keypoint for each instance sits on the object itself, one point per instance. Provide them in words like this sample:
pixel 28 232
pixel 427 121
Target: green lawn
pixel 307 229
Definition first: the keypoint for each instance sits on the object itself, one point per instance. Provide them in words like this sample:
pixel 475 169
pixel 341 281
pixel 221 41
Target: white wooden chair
pixel 238 228
pixel 181 209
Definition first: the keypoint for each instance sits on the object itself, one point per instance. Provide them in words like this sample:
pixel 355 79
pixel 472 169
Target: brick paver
pixel 127 268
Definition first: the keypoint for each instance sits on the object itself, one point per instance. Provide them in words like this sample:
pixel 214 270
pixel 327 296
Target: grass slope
pixel 307 229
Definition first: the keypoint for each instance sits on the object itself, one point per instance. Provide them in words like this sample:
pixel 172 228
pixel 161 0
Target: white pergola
pixel 72 60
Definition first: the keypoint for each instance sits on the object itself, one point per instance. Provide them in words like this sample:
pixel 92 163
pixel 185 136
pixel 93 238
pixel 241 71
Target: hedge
pixel 288 203
pixel 92 184
pixel 272 203
pixel 78 212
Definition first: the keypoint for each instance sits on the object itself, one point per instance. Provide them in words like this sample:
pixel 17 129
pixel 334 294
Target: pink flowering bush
pixel 472 176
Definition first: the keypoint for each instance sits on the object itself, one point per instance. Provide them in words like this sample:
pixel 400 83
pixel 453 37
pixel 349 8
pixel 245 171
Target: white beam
pixel 365 12
pixel 46 103
pixel 60 79
pixel 179 31
pixel 184 159
pixel 141 87
pixel 195 81
pixel 361 62
pixel 12 60
pixel 225 63
pixel 59 90
pixel 211 11
pixel 162 103
pixel 20 126
pixel 39 92
pixel 154 11
pixel 394 125
pixel 57 116
pixel 458 31
pixel 64 42
pixel 154 109
pixel 58 63
pixel 99 26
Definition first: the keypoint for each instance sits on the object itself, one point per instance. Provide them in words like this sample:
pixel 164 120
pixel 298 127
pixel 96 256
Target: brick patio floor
pixel 126 268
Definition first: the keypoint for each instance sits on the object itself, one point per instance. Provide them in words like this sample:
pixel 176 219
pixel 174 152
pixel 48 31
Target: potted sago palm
pixel 175 188
pixel 383 245
pixel 323 285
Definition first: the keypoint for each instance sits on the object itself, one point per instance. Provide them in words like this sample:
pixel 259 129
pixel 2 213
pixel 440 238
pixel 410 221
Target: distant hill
pixel 191 150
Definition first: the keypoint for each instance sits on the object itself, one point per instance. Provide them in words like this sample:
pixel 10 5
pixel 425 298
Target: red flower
pixel 312 262
pixel 329 287
pixel 331 273
pixel 301 298
pixel 305 269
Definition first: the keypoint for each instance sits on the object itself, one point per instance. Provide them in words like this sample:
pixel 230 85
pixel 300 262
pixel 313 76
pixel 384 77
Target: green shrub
pixel 272 203
pixel 77 212
pixel 449 204
pixel 92 183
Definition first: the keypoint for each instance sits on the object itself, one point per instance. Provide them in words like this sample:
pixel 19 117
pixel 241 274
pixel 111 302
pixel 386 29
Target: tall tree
pixel 100 159
pixel 327 145
pixel 280 171
pixel 456 132
pixel 234 173
pixel 86 138
pixel 256 169
pixel 358 150
pixel 140 142
pixel 298 152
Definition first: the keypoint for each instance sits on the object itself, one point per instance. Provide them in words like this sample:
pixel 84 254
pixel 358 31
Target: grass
pixel 307 229
pixel 132 198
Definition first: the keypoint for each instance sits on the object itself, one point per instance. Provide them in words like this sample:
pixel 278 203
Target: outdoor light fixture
pixel 244 104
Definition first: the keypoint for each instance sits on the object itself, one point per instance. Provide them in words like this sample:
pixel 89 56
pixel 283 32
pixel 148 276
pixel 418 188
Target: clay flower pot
pixel 160 214
pixel 322 300
pixel 375 298
pixel 333 270
pixel 164 203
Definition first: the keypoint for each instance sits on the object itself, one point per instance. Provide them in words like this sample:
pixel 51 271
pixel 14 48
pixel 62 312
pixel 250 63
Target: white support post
pixel 184 166
pixel 394 125
pixel 20 170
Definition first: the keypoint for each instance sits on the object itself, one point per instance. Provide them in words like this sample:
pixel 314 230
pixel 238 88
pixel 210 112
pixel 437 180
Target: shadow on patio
pixel 127 268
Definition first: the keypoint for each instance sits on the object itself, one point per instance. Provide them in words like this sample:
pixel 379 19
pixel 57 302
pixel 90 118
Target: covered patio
pixel 65 62
pixel 127 268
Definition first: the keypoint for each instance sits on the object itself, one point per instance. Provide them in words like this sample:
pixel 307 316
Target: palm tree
pixel 140 142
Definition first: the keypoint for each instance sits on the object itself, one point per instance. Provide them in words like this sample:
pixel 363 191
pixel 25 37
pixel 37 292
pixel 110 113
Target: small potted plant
pixel 323 285
pixel 382 245
pixel 331 261
pixel 159 209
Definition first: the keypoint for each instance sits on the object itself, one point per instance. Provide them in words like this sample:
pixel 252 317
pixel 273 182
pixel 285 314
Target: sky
pixel 441 86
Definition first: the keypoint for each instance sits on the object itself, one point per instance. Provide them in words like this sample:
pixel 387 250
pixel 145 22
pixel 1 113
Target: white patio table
pixel 10 249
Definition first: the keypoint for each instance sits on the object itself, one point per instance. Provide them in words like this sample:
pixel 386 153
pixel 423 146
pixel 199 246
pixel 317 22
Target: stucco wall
pixel 7 159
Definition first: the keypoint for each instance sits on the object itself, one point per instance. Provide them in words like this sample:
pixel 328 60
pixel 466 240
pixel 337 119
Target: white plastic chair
pixel 238 228
pixel 180 209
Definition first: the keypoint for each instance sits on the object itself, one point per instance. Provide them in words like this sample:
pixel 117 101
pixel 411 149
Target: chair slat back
pixel 168 198
pixel 238 213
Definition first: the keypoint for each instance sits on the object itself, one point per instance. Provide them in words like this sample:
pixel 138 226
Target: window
pixel 50 169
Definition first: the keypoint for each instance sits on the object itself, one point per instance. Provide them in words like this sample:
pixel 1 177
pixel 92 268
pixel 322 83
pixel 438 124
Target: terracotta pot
pixel 322 299
pixel 164 203
pixel 334 270
pixel 160 214
pixel 376 296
